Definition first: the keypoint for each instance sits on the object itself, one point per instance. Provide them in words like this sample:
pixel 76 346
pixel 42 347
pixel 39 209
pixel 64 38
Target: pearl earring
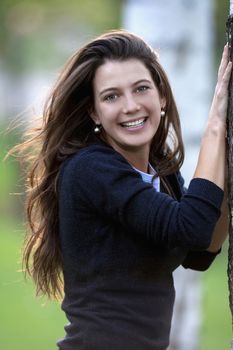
pixel 163 113
pixel 97 129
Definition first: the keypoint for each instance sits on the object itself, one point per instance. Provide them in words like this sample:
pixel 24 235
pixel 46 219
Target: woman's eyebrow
pixel 115 88
pixel 107 90
pixel 142 81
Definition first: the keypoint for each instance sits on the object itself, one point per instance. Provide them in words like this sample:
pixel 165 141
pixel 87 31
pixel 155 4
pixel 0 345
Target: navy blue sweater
pixel 121 240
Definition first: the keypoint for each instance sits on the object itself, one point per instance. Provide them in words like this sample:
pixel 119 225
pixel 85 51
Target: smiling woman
pixel 109 217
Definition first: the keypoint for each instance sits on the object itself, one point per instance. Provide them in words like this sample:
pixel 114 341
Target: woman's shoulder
pixel 96 153
pixel 96 150
pixel 92 159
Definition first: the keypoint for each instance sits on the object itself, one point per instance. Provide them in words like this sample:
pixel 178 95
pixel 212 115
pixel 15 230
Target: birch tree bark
pixel 230 162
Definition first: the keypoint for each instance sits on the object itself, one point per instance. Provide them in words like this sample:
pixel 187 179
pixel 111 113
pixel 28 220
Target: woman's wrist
pixel 216 127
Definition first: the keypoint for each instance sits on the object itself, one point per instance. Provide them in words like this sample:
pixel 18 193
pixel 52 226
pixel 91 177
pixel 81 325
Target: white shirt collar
pixel 148 177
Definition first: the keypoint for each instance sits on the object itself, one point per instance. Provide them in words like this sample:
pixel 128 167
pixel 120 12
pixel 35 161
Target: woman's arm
pixel 212 156
pixel 211 161
pixel 201 260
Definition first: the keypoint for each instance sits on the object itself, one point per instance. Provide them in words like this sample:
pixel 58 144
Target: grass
pixel 26 322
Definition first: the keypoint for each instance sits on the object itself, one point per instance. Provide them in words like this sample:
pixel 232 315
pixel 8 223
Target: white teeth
pixel 135 123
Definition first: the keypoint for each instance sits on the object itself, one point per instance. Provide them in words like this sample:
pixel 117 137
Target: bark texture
pixel 230 166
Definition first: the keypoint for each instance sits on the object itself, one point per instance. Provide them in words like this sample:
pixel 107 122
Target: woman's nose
pixel 130 105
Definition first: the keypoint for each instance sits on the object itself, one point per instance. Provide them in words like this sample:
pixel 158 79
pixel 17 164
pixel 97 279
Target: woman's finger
pixel 224 62
pixel 226 76
pixel 223 80
pixel 219 104
pixel 228 70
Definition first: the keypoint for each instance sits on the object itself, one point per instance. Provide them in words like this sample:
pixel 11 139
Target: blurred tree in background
pixel 35 33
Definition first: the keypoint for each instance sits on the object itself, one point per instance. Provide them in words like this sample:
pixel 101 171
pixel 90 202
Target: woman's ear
pixel 93 116
pixel 163 102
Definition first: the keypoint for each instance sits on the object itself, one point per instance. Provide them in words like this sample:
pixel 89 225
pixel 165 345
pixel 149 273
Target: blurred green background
pixel 33 37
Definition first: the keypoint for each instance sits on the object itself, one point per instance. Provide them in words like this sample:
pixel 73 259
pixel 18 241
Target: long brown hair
pixel 65 128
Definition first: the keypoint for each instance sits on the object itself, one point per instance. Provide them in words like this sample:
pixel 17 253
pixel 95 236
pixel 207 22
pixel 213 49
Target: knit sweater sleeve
pixel 103 181
pixel 196 260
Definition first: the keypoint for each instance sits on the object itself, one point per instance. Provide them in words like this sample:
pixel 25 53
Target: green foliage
pixel 33 32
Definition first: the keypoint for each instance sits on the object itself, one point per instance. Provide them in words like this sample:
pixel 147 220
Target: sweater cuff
pixel 199 261
pixel 206 190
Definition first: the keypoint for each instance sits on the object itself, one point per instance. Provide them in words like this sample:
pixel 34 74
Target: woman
pixel 107 209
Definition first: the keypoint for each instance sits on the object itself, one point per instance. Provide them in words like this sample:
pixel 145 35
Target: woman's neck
pixel 138 157
pixel 139 160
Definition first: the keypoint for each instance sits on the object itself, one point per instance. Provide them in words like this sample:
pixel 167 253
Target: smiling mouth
pixel 134 123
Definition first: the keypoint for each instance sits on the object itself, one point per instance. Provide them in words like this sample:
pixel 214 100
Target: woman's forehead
pixel 115 72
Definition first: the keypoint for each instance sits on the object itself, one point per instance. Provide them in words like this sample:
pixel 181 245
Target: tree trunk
pixel 230 166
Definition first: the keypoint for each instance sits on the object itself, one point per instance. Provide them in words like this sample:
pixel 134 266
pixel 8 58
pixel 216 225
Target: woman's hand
pixel 211 161
pixel 220 99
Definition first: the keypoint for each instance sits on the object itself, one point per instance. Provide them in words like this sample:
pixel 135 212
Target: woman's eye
pixel 111 97
pixel 142 88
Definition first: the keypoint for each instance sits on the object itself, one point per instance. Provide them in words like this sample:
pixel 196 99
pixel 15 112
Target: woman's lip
pixel 136 127
pixel 142 119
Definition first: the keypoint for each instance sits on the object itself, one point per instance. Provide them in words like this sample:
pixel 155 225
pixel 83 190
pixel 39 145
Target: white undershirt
pixel 148 177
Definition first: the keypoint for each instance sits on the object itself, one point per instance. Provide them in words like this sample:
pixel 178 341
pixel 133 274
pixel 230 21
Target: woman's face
pixel 127 104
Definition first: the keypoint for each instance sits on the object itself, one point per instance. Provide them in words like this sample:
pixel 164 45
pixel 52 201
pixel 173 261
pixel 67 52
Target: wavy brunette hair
pixel 65 128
